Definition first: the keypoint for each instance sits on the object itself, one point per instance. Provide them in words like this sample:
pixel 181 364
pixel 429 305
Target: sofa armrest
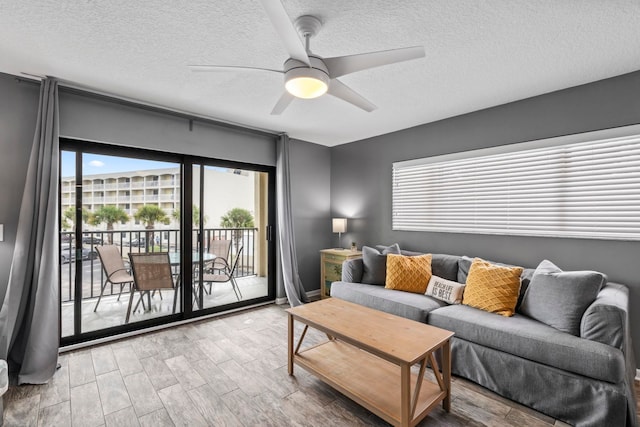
pixel 606 320
pixel 352 270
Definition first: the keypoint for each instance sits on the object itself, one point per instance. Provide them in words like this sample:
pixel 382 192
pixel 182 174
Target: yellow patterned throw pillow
pixel 492 288
pixel 408 273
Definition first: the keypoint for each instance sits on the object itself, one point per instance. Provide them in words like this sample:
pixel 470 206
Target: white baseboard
pixel 310 294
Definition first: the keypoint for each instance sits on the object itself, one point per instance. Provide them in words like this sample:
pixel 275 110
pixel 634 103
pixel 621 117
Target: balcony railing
pixel 141 241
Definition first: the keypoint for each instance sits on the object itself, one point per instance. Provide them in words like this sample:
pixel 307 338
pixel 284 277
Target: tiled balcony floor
pixel 112 312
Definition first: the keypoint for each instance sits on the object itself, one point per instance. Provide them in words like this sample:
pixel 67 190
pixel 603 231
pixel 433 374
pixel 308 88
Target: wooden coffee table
pixel 378 378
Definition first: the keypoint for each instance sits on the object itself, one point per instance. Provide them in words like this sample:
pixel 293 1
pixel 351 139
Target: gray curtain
pixel 29 326
pixel 286 238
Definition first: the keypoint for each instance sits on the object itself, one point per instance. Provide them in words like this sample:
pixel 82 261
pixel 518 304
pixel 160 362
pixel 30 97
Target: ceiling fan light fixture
pixel 306 87
pixel 306 83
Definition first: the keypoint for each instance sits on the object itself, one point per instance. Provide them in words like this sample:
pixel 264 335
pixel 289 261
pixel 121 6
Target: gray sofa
pixel 584 380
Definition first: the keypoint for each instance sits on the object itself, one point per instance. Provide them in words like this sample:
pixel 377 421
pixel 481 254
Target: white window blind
pixel 583 186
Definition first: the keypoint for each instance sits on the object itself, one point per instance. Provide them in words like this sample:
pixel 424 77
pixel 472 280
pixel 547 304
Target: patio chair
pixel 151 272
pixel 224 275
pixel 220 249
pixel 115 270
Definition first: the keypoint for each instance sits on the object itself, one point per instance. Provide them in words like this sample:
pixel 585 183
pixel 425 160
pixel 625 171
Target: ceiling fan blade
pixel 216 68
pixel 285 29
pixel 344 92
pixel 342 65
pixel 282 103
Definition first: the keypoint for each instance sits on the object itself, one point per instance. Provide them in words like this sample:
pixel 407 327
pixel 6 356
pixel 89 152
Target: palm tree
pixel 237 218
pixel 195 216
pixel 108 215
pixel 149 215
pixel 69 218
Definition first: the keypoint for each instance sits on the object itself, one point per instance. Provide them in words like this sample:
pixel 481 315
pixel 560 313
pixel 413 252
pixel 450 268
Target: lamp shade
pixel 339 225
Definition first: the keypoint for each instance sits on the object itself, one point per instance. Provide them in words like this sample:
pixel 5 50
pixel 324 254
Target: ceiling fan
pixel 307 75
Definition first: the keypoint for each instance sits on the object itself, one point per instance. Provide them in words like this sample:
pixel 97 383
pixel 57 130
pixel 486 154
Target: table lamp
pixel 339 226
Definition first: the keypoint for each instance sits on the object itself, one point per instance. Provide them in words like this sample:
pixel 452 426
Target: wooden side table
pixel 331 267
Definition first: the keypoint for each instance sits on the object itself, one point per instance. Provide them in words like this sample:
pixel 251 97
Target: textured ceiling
pixel 479 54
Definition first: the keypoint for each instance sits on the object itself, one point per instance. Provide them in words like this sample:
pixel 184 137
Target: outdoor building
pixel 225 189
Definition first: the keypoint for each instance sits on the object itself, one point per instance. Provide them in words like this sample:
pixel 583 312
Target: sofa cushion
pixel 445 290
pixel 405 304
pixel 352 270
pixel 492 288
pixel 442 265
pixel 533 340
pixel 559 298
pixel 375 263
pixel 605 319
pixel 464 264
pixel 408 273
pixel 525 280
pixel 445 266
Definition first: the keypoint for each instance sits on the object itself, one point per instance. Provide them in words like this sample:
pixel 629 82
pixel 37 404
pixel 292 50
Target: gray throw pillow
pixel 559 298
pixel 525 279
pixel 375 263
pixel 445 266
pixel 464 264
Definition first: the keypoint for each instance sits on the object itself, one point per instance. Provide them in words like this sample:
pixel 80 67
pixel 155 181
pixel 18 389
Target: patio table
pixel 174 259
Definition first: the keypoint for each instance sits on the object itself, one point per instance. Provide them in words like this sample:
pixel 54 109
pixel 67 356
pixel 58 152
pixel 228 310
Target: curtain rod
pixel 99 94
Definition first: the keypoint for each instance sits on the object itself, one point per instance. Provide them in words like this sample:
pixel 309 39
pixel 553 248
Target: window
pixel 583 186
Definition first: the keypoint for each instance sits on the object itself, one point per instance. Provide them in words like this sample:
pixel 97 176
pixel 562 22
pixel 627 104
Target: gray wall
pixel 310 200
pixel 92 119
pixel 361 178
pixel 18 112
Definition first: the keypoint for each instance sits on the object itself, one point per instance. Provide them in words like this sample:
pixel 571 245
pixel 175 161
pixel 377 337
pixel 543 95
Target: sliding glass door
pixel 115 202
pixel 231 233
pixel 112 206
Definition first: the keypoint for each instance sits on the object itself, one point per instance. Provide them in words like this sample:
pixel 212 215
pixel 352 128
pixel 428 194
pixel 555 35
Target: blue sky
pixel 97 164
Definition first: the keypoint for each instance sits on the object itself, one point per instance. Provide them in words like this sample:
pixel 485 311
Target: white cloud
pixel 96 163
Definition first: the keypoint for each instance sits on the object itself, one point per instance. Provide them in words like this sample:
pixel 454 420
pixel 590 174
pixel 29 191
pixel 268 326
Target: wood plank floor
pixel 229 371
